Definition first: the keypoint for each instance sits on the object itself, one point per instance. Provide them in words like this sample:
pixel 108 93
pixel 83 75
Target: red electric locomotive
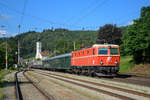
pixel 100 58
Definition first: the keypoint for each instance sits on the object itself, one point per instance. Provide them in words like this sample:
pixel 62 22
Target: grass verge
pixel 125 64
pixel 2 74
pixel 128 66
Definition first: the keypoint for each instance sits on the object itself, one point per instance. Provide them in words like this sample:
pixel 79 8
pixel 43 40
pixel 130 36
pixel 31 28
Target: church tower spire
pixel 38 49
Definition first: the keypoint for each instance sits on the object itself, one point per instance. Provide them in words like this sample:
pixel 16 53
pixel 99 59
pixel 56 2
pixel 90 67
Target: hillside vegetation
pixel 59 41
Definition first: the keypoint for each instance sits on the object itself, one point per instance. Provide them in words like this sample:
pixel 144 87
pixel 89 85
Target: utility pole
pixel 18 53
pixel 74 45
pixel 55 51
pixel 19 26
pixel 6 56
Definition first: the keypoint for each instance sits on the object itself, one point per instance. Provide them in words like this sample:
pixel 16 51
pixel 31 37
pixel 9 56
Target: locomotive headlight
pixel 101 62
pixel 116 62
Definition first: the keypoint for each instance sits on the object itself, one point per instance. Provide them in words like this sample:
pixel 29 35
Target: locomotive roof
pixel 59 56
pixel 98 45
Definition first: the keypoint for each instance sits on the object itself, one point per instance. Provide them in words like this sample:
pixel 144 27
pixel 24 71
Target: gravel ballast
pixel 54 86
pixel 29 92
pixel 134 87
pixel 138 88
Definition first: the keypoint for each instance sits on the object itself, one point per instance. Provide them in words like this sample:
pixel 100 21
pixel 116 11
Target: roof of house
pixel 45 53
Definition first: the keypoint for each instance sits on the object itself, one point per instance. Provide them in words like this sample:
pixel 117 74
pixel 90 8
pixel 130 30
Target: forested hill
pixel 57 42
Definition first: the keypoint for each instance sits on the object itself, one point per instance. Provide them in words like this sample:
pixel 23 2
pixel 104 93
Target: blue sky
pixel 71 14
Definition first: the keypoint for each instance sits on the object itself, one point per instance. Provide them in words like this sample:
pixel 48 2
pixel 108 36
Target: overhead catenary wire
pixel 4 17
pixel 19 28
pixel 81 18
pixel 82 11
pixel 43 19
pixel 130 14
pixel 36 17
pixel 52 23
pixel 23 12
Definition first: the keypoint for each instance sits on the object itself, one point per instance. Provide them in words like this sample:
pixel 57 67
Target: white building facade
pixel 38 50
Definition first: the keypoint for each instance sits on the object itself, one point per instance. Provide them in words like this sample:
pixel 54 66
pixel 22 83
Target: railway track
pixel 141 80
pixel 17 88
pixel 20 91
pixel 132 79
pixel 75 81
pixel 136 75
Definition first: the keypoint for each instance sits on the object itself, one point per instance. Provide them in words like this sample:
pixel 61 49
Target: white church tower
pixel 38 50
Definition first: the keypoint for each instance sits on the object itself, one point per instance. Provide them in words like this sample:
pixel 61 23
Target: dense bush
pixel 136 41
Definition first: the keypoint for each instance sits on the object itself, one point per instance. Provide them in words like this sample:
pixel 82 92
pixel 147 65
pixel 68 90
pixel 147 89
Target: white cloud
pixel 13 35
pixel 3 32
pixel 5 17
pixel 130 22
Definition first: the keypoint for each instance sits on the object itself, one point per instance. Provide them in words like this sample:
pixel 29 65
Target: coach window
pixel 103 51
pixel 87 52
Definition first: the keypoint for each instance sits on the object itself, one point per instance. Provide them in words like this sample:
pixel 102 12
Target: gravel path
pixel 8 89
pixel 29 92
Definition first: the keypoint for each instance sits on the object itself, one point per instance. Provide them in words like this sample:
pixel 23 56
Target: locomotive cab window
pixel 103 51
pixel 114 51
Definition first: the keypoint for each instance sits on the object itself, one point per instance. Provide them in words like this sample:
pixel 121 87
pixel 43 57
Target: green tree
pixel 136 41
pixel 12 57
pixel 110 34
pixel 61 47
pixel 2 57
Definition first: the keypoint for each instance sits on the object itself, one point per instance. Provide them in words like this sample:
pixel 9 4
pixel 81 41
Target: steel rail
pixel 112 87
pixel 91 88
pixel 45 93
pixel 18 91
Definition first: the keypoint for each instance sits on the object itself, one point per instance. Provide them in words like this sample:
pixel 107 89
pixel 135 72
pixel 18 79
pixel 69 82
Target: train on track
pixel 100 59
